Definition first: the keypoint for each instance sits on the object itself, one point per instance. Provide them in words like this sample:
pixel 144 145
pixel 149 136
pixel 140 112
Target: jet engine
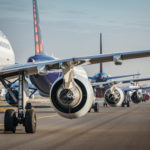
pixel 10 100
pixel 74 102
pixel 114 96
pixel 137 96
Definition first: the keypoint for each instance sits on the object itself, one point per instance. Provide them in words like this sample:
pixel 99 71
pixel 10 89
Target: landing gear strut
pixel 95 107
pixel 126 101
pixel 25 115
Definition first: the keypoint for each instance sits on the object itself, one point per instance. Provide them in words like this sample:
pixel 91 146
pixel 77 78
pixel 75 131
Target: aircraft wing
pixel 137 88
pixel 123 76
pixel 111 83
pixel 43 66
pixel 117 77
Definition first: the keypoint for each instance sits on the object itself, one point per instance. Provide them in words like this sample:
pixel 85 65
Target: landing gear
pixel 127 103
pixel 10 120
pixel 30 121
pixel 123 104
pixel 26 115
pixel 105 104
pixel 96 107
pixel 126 100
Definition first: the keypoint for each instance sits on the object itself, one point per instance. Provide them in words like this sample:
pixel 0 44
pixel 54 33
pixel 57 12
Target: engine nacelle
pixel 137 96
pixel 10 100
pixel 74 102
pixel 114 96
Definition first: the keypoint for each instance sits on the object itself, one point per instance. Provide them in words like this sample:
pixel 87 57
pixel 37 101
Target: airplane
pixel 63 80
pixel 118 96
pixel 102 76
pixel 134 93
pixel 7 56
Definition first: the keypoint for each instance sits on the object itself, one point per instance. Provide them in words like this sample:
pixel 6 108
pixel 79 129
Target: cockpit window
pixel 5 45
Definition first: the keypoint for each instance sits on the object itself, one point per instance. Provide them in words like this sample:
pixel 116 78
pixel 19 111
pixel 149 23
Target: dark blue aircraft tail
pixel 37 30
pixel 101 52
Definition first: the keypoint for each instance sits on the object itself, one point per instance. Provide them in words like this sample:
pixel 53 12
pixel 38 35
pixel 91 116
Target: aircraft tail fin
pixel 37 30
pixel 101 64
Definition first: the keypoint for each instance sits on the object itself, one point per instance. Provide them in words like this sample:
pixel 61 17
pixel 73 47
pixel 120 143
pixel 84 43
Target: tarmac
pixel 114 128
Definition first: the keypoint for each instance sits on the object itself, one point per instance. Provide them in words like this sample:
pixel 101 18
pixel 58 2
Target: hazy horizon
pixel 71 28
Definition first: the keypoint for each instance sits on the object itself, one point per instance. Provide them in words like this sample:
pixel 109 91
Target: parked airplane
pixel 102 76
pixel 71 93
pixel 7 56
pixel 134 93
pixel 116 96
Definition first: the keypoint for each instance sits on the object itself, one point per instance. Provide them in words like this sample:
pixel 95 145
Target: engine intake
pixel 114 96
pixel 137 97
pixel 74 102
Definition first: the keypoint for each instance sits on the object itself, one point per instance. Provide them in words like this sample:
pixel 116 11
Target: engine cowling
pixel 114 96
pixel 137 96
pixel 74 102
pixel 10 100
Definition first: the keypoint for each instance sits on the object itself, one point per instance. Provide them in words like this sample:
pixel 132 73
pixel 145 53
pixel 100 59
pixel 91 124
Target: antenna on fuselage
pixel 101 52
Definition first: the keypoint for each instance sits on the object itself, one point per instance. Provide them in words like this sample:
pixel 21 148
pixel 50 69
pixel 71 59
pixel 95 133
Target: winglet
pixel 37 30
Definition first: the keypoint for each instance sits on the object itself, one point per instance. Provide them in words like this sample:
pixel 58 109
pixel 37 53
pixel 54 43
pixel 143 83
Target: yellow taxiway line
pixel 50 116
pixel 1 124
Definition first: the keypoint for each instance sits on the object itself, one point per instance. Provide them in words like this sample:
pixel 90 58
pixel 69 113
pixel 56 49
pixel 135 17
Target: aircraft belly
pixel 44 82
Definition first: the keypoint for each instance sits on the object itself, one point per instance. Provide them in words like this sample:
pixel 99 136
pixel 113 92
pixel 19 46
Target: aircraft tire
pixel 10 120
pixel 29 106
pixel 123 104
pixel 30 121
pixel 96 107
pixel 90 110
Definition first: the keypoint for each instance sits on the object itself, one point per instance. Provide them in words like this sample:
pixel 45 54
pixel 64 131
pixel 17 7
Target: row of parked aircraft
pixel 63 80
pixel 103 85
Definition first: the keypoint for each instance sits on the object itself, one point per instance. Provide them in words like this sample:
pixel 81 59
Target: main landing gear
pixel 126 101
pixel 25 114
pixel 95 107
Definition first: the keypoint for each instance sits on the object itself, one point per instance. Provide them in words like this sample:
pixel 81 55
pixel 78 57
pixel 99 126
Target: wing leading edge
pixel 44 66
pixel 100 84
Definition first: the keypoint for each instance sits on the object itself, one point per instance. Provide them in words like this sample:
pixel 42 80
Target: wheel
pixel 128 104
pixel 96 107
pixel 90 110
pixel 28 106
pixel 30 121
pixel 10 120
pixel 104 104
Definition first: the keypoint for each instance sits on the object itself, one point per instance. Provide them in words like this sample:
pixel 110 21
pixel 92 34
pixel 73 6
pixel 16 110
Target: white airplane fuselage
pixel 7 56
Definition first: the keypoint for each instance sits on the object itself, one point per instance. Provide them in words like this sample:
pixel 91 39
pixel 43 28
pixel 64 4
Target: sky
pixel 71 28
